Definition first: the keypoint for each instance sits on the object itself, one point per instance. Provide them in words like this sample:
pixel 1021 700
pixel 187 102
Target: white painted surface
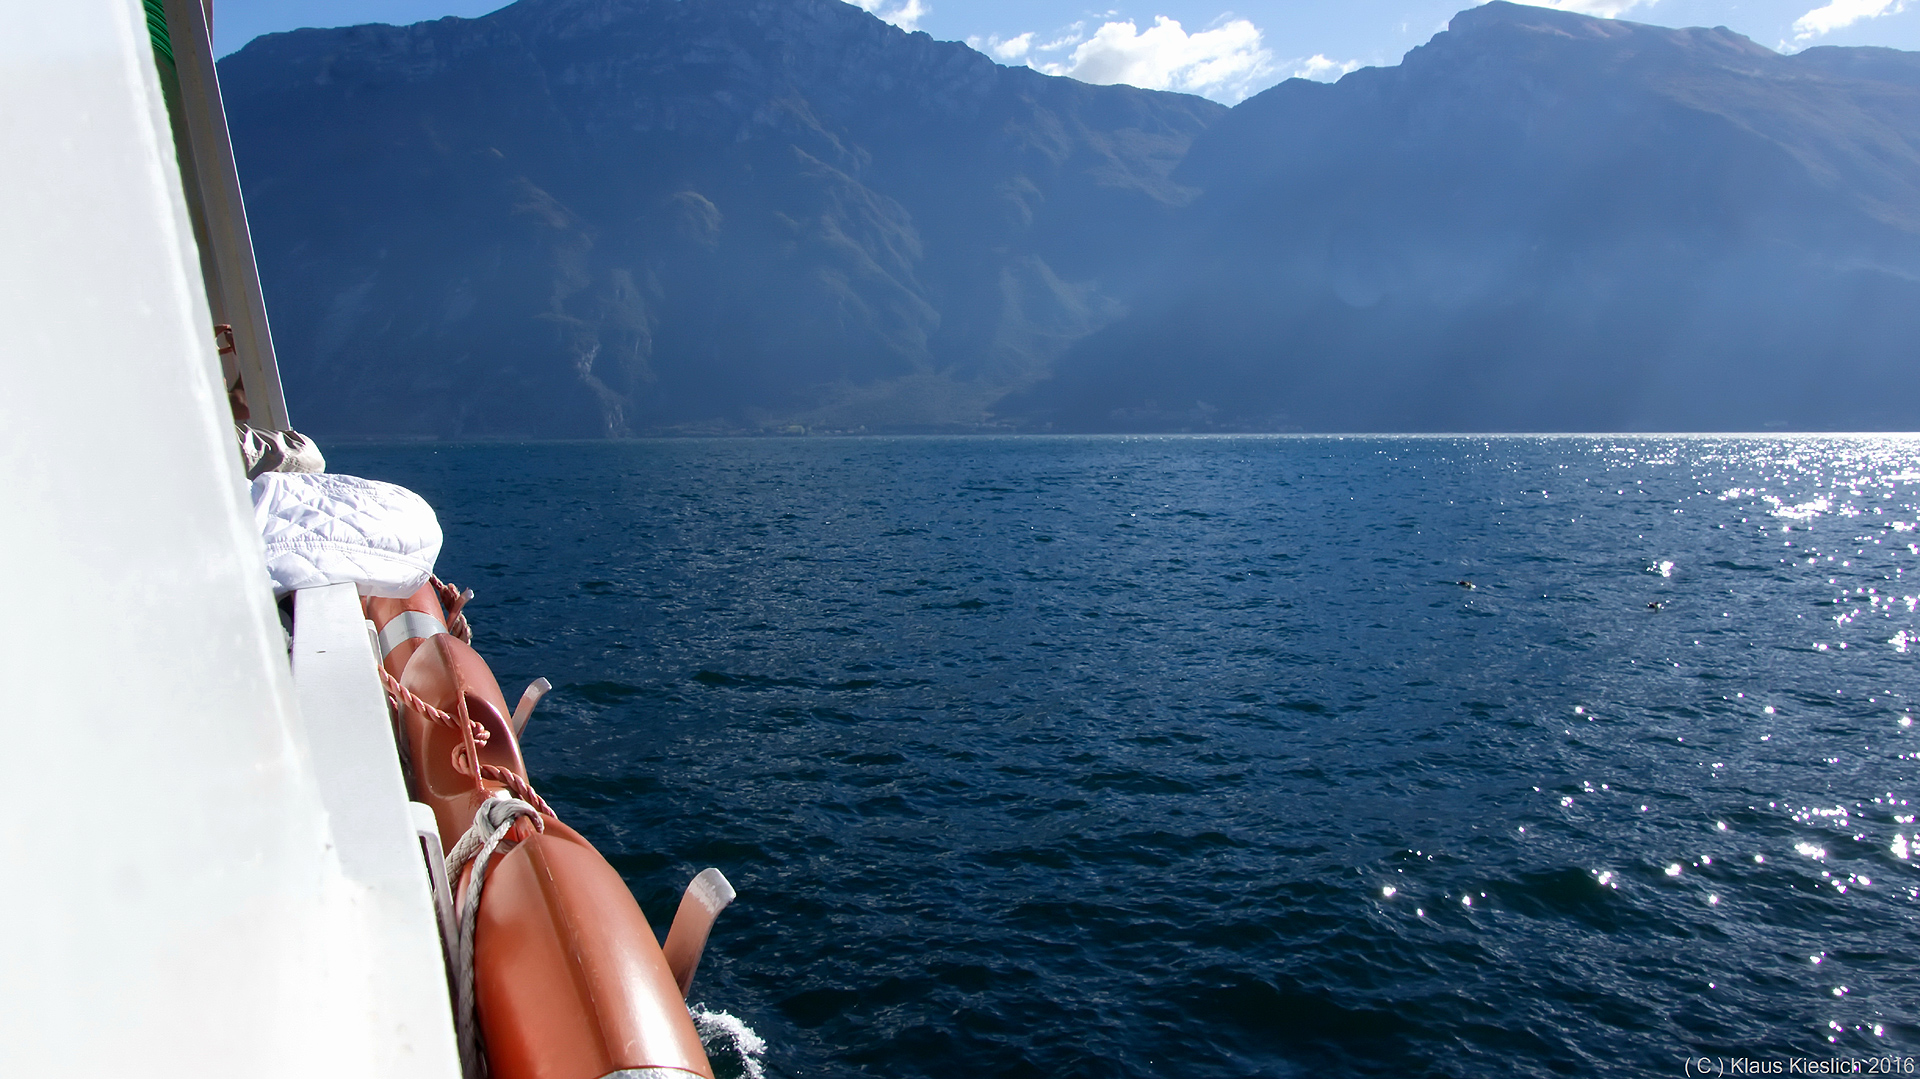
pixel 358 770
pixel 173 905
pixel 239 302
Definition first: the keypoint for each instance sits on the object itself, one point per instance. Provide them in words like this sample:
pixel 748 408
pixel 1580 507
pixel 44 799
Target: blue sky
pixel 1224 49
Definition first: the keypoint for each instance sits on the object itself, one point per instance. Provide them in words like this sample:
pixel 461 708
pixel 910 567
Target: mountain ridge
pixel 613 217
pixel 1538 221
pixel 920 238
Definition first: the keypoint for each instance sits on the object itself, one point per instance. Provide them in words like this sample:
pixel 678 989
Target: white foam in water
pixel 736 1035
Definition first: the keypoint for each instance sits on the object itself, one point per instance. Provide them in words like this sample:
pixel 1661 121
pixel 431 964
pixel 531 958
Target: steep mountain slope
pixel 607 217
pixel 1538 221
pixel 601 217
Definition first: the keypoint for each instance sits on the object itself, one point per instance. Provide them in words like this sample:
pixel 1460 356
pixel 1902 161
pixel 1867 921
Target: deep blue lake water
pixel 1195 757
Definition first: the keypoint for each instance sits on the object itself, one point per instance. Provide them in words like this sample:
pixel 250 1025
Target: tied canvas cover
pixel 323 528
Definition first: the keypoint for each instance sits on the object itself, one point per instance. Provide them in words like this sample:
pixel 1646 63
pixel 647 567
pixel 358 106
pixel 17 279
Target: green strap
pixel 157 30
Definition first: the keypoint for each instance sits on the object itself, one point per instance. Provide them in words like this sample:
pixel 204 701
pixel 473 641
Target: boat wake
pixel 731 1044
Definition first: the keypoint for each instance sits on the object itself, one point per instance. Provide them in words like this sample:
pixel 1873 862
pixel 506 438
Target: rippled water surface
pixel 1236 756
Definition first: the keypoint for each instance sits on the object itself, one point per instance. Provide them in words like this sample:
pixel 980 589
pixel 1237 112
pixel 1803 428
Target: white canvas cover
pixel 325 528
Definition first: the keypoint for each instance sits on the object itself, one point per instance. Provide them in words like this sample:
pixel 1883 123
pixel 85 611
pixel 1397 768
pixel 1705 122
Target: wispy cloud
pixel 1841 14
pixel 1605 9
pixel 906 14
pixel 1071 36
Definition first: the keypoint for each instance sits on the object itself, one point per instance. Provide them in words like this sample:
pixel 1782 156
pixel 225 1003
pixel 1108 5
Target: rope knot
pixel 502 809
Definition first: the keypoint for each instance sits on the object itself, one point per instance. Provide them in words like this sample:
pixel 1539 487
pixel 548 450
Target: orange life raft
pixel 568 981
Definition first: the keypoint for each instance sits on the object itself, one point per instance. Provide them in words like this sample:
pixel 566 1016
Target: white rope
pixel 490 824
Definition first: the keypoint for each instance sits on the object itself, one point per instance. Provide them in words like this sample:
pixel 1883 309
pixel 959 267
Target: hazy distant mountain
pixel 593 217
pixel 589 217
pixel 1539 221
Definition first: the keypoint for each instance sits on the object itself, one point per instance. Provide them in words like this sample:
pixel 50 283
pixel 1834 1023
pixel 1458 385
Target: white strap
pixel 407 626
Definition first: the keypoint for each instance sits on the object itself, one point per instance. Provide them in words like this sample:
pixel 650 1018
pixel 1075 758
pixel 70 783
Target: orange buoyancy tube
pixel 569 980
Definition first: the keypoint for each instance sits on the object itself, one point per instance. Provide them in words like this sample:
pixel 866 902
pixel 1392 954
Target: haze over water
pixel 1196 756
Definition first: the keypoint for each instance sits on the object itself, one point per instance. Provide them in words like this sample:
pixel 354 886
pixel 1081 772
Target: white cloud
pixel 1011 49
pixel 1841 14
pixel 1321 69
pixel 1225 63
pixel 906 14
pixel 1605 9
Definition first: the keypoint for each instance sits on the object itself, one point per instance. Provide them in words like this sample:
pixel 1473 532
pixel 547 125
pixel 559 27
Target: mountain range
pixel 601 218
